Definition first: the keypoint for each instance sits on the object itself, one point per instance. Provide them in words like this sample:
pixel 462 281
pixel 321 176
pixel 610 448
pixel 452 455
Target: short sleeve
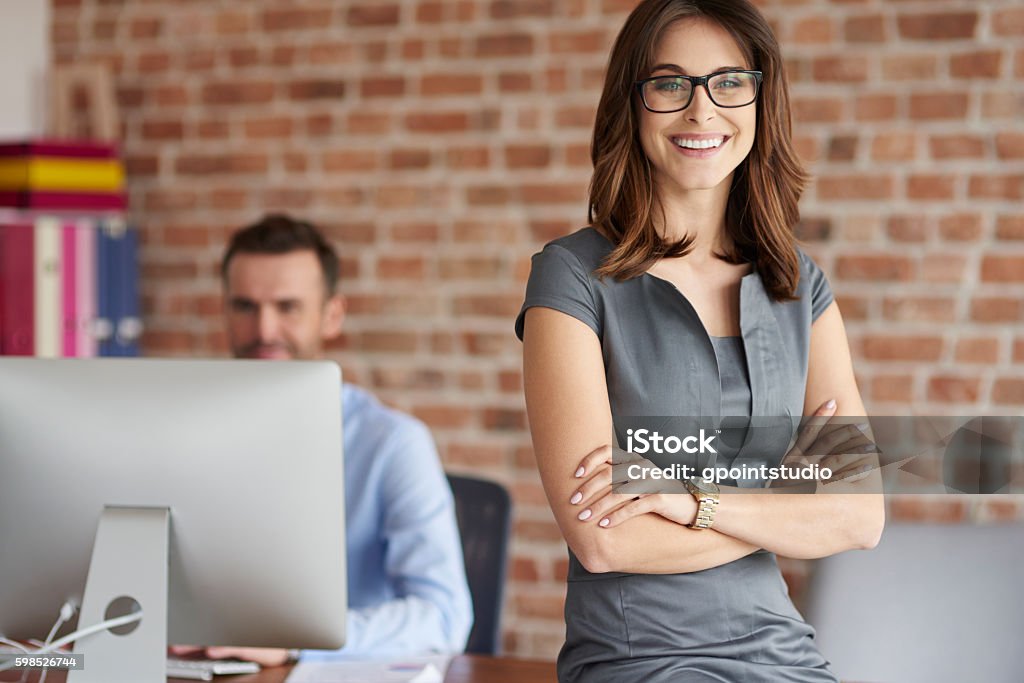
pixel 817 285
pixel 559 280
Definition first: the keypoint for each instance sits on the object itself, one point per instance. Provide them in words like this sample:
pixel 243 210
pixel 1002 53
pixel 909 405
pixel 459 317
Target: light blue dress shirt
pixel 407 587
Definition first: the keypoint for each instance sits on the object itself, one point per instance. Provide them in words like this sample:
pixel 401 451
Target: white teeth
pixel 698 144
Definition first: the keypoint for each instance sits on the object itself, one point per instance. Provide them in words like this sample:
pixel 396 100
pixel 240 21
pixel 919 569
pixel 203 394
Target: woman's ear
pixel 334 317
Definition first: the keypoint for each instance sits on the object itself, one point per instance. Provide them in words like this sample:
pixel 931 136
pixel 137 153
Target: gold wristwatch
pixel 706 493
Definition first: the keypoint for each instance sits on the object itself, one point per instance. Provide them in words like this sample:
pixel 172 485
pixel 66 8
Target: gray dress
pixel 730 623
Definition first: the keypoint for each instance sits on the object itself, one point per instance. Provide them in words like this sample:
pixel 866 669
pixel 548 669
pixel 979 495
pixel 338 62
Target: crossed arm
pixel 569 412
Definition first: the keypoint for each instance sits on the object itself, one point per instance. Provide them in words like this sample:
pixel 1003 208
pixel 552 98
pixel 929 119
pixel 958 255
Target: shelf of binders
pixel 68 259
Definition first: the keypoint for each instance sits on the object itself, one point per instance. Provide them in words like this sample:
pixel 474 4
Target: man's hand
pixel 261 655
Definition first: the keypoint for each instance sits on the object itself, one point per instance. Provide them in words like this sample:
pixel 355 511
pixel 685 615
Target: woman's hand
pixel 845 449
pixel 599 503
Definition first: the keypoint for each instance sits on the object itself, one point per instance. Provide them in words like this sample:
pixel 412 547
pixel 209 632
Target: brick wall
pixel 441 143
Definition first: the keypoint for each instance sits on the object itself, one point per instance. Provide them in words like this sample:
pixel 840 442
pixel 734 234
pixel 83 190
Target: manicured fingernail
pixel 580 471
pixel 867 448
pixel 576 497
pixel 604 522
pixel 863 426
pixel 585 515
pixel 831 404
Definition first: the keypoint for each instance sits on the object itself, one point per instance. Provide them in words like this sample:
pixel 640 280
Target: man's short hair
pixel 279 233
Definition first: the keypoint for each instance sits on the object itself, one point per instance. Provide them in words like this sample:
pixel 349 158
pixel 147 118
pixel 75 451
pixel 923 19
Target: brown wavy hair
pixel 762 207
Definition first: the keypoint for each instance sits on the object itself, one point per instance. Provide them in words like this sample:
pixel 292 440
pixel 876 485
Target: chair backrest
pixel 930 603
pixel 484 512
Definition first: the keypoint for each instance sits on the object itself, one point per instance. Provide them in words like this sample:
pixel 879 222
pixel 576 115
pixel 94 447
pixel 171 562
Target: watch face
pixel 704 486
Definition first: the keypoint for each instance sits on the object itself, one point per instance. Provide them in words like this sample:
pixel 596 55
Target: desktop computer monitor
pixel 219 484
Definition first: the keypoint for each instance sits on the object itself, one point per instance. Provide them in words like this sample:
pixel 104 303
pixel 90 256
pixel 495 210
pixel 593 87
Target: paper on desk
pixel 405 670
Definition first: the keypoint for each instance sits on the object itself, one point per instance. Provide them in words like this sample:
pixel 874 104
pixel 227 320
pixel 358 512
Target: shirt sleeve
pixel 432 611
pixel 817 286
pixel 559 280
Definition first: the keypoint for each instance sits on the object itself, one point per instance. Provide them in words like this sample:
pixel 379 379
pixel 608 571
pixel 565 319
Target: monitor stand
pixel 129 563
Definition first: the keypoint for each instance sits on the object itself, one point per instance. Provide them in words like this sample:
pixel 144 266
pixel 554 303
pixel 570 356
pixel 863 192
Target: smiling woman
pixel 688 297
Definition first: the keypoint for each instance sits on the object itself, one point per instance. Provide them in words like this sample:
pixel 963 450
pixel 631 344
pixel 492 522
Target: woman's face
pixel 696 47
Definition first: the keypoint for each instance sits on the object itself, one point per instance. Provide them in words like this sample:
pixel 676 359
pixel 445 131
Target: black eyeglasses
pixel 728 89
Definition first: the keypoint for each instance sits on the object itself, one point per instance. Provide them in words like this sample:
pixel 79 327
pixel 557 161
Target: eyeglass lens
pixel 727 89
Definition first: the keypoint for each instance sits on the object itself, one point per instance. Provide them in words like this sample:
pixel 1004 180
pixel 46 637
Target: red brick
pixel 242 57
pixel 269 127
pixel 162 130
pixel 536 530
pixel 295 18
pixel 523 569
pixel 996 309
pixel 316 89
pixel 1002 269
pixel 996 187
pixel 938 25
pixel 469 267
pixel 350 161
pixel 579 42
pixel 977 64
pixel 232 22
pixel 238 92
pixel 1008 22
pixel 373 14
pixel 1008 391
pixel 504 45
pixel 1000 104
pixel 1018 350
pixel 908 228
pixel 401 268
pixel 957 146
pixel 892 388
pixel 842 148
pixel 504 419
pixel 817 109
pixel 879 267
pixel 909 67
pixel 488 305
pixel 437 122
pixel 912 508
pixel 402 159
pixel 919 309
pixel 1010 227
pixel 930 186
pixel 1010 145
pixel 935 106
pixel 553 193
pixel 982 350
pixel 868 28
pixel 146 28
pixel 874 107
pixel 513 9
pixel 947 389
pixel 452 84
pixel 840 69
pixel 948 268
pixel 859 186
pixel 527 156
pixel 487 195
pixel 961 227
pixel 206 165
pixel 896 146
pixel 467 157
pixel 906 348
pixel 445 416
pixel 536 605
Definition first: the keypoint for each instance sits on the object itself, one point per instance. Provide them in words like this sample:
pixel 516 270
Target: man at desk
pixel 407 585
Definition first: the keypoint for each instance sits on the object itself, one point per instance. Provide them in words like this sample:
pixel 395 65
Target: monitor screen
pixel 245 456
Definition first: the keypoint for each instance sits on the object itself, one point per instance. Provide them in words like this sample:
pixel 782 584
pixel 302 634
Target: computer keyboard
pixel 206 669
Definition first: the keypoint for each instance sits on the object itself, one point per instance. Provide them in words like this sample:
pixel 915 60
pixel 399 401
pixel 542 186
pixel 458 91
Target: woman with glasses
pixel 688 297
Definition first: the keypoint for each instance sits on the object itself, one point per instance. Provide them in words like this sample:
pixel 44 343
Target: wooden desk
pixel 463 669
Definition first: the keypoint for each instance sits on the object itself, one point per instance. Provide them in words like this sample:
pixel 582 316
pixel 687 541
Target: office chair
pixel 484 512
pixel 930 603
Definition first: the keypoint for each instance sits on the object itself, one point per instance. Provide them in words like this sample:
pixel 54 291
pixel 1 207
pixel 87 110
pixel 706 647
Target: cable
pixel 81 633
pixel 67 610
